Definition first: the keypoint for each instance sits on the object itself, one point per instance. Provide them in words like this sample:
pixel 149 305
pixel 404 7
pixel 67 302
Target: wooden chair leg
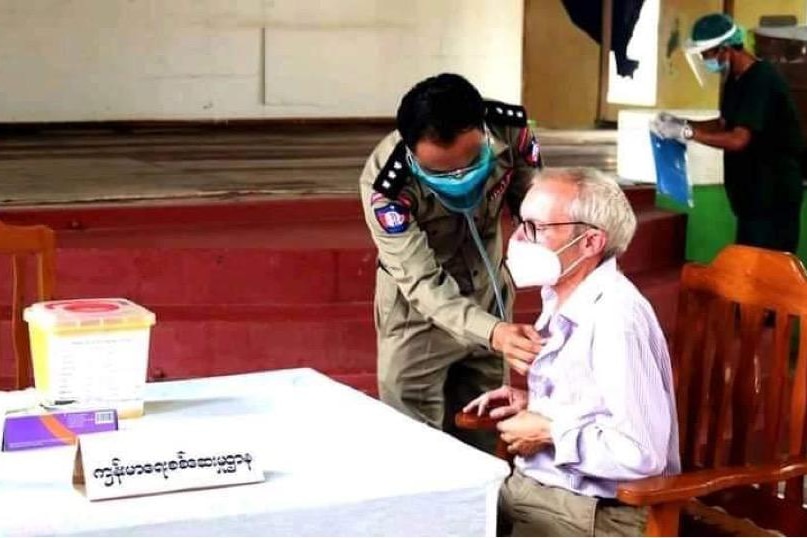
pixel 662 519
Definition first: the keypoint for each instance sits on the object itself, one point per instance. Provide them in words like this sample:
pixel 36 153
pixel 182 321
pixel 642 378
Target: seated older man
pixel 600 408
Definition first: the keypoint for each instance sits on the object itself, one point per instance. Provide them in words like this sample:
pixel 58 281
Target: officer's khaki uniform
pixel 434 301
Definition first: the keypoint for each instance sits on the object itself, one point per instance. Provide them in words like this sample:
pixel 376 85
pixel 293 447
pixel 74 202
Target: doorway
pixel 568 81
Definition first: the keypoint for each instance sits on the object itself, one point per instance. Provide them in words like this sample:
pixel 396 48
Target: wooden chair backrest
pixel 740 400
pixel 22 243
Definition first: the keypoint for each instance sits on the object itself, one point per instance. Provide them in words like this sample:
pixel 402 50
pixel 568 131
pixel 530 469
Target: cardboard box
pixel 23 432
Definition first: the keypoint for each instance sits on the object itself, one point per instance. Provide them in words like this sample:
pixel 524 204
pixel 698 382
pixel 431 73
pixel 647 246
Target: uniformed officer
pixel 433 193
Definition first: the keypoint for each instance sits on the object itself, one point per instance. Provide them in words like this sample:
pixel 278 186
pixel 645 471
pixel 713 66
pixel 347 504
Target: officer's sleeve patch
pixel 394 216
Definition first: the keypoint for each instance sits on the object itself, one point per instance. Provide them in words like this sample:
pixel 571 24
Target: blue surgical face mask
pixel 713 65
pixel 461 190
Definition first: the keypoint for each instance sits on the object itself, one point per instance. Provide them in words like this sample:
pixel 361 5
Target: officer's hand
pixel 666 125
pixel 519 343
pixel 509 401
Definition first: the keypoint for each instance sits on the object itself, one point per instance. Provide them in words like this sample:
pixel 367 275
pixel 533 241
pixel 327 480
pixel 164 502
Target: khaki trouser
pixel 426 373
pixel 529 508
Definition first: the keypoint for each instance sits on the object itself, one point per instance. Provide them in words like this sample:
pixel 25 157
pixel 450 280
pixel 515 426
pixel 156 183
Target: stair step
pixel 339 340
pixel 641 196
pixel 320 262
pixel 174 220
pixel 251 286
pixel 659 241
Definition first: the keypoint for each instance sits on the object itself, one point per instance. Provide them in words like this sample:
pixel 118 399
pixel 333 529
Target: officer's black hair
pixel 439 109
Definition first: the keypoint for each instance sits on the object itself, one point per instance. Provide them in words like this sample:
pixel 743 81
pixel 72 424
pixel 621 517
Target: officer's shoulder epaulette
pixel 497 112
pixel 393 175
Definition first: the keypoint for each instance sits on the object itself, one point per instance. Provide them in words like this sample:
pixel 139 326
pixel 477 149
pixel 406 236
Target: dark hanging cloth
pixel 587 15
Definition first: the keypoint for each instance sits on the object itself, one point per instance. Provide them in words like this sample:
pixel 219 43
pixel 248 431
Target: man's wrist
pixel 492 340
pixel 687 131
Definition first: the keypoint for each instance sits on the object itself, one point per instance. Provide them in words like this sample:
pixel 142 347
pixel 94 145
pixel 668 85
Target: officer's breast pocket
pixel 442 234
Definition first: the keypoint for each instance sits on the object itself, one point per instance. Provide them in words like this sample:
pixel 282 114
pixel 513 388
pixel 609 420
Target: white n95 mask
pixel 533 264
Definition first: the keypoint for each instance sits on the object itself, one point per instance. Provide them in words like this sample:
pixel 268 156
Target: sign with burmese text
pixel 128 463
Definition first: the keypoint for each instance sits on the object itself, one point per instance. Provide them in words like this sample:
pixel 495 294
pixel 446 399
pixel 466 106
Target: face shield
pixel 693 51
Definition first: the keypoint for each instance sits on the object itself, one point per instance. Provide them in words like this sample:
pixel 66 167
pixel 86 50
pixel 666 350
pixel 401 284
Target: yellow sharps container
pixel 91 353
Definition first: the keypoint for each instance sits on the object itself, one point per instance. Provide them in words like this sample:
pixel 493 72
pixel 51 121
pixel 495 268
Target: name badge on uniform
pixel 529 147
pixel 501 186
pixel 533 153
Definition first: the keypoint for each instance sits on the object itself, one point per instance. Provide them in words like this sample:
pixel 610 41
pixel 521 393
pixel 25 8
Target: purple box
pixel 55 429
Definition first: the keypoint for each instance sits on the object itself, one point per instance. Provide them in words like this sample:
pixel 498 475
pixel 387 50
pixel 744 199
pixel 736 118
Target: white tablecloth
pixel 336 463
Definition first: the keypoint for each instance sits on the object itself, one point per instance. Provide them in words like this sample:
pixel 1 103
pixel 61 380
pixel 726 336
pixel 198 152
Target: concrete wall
pixel 75 60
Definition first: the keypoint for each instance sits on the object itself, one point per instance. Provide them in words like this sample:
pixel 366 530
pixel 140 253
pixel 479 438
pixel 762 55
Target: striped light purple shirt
pixel 604 379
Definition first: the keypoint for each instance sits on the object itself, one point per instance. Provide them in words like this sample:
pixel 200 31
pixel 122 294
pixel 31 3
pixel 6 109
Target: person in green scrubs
pixel 758 131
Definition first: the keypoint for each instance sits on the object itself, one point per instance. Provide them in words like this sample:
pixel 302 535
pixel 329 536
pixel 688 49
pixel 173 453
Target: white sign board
pixel 127 463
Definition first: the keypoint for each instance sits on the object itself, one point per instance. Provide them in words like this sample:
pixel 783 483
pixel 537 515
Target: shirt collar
pixel 577 306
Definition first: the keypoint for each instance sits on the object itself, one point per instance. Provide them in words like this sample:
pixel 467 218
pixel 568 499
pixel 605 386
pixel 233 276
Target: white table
pixel 336 463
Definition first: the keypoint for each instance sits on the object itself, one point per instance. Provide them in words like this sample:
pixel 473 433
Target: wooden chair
pixel 742 404
pixel 20 243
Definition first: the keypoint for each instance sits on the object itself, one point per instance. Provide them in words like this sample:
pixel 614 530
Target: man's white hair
pixel 599 202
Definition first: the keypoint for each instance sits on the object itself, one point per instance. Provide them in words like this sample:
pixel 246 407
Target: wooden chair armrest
pixel 472 421
pixel 658 489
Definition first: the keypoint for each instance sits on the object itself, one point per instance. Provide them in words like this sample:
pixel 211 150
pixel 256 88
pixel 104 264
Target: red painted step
pixel 256 285
pixel 641 196
pixel 183 217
